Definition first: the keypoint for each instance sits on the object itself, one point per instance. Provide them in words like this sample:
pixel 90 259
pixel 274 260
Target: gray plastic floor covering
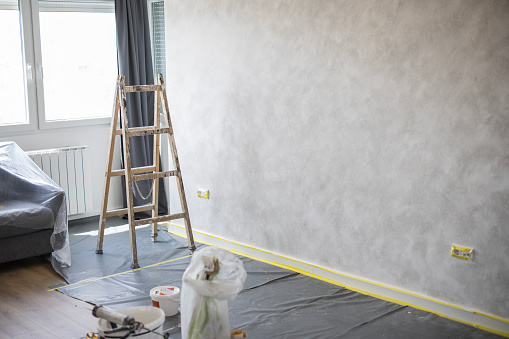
pixel 275 302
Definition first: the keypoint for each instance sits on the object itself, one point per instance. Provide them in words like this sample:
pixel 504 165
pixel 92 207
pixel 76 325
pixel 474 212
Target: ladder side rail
pixel 155 157
pixel 107 174
pixel 127 167
pixel 173 148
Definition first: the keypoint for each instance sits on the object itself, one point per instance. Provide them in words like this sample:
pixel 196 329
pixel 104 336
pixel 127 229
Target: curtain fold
pixel 135 63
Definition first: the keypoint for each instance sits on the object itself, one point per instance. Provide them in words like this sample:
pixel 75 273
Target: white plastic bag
pixel 213 277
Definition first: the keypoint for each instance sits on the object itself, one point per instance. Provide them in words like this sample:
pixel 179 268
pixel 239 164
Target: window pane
pixel 80 64
pixel 12 87
pixel 158 40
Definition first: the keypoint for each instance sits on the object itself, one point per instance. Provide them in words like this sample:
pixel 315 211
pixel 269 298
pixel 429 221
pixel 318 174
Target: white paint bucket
pixel 152 318
pixel 166 298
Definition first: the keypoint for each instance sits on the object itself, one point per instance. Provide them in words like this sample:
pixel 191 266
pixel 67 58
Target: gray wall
pixel 363 136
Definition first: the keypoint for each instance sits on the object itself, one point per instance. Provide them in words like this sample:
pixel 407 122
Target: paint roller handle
pixel 112 316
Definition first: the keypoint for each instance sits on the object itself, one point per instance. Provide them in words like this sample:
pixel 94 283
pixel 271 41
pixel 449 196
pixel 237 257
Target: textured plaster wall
pixel 363 136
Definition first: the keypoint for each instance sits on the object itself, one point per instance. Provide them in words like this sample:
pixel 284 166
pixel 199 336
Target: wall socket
pixel 202 193
pixel 461 252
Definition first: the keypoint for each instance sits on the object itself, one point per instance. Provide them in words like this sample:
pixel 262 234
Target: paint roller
pixel 126 322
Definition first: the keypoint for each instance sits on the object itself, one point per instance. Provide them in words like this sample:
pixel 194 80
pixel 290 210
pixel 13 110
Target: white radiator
pixel 69 168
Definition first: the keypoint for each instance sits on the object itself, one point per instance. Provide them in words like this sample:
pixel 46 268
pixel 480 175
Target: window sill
pixel 7 130
pixel 24 129
pixel 74 123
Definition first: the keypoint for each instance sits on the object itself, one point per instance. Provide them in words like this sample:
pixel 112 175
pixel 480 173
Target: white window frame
pixel 33 65
pixel 29 72
pixel 151 26
pixel 152 45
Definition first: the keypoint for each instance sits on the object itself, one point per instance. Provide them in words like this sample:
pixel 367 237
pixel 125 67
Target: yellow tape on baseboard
pixel 116 274
pixel 298 270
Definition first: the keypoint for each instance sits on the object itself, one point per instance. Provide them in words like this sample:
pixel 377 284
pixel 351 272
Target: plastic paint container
pixel 238 334
pixel 152 318
pixel 166 298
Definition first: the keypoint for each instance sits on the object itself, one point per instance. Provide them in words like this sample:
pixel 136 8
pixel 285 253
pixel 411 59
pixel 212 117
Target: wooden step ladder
pixel 142 173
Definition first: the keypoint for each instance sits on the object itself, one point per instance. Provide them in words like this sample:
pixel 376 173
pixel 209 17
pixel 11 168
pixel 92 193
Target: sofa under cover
pixel 33 210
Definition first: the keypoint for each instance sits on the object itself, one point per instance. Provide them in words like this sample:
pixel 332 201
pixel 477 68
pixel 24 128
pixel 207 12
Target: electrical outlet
pixel 461 252
pixel 202 193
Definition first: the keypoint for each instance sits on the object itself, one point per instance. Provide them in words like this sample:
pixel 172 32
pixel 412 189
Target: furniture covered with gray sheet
pixel 33 210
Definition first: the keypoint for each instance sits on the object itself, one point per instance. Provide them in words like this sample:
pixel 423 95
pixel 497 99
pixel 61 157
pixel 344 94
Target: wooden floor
pixel 28 310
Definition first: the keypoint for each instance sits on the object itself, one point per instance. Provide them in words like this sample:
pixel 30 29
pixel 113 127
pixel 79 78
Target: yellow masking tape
pixel 298 270
pixel 116 274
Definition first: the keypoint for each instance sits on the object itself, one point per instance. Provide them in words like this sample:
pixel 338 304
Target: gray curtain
pixel 135 63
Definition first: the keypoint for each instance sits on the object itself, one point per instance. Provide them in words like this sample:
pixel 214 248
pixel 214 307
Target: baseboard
pixel 83 215
pixel 483 321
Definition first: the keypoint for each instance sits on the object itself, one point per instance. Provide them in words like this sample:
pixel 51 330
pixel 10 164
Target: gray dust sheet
pixel 275 302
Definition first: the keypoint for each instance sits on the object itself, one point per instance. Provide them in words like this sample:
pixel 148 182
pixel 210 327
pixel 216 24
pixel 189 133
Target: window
pixel 58 63
pixel 80 64
pixel 12 88
pixel 17 83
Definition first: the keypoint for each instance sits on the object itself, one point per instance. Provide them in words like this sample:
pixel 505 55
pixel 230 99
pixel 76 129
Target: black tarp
pixel 274 303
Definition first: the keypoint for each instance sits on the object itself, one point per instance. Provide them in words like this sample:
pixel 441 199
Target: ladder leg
pixel 180 184
pixel 187 221
pixel 157 138
pixel 128 177
pixel 104 204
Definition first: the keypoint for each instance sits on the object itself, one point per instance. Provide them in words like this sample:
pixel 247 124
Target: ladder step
pixel 121 211
pixel 153 175
pixel 159 219
pixel 143 88
pixel 149 130
pixel 135 170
